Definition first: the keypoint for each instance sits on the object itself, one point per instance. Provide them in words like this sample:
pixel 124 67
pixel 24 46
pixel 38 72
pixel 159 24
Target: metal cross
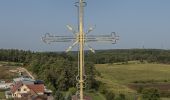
pixel 81 38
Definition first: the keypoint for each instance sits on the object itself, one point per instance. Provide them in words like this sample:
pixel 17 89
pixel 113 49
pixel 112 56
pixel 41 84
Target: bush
pixel 150 94
pixel 140 89
pixel 58 95
pixel 165 94
pixel 121 97
pixel 72 90
pixel 110 95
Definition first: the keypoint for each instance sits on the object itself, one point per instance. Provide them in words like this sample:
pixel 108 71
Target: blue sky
pixel 137 22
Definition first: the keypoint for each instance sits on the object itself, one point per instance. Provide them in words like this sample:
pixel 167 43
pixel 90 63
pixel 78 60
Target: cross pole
pixel 81 38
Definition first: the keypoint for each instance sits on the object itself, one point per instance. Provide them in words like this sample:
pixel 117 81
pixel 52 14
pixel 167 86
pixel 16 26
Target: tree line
pixel 100 57
pixel 125 55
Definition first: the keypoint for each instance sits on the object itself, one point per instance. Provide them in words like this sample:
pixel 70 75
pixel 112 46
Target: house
pixel 20 90
pixel 8 94
pixel 4 85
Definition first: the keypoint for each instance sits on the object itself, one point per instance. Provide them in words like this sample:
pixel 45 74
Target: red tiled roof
pixel 36 87
pixel 16 86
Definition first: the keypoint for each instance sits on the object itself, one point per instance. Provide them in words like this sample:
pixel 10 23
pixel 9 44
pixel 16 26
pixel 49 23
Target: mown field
pixel 125 78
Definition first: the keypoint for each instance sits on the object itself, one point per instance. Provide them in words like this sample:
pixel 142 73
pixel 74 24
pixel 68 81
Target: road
pixel 25 70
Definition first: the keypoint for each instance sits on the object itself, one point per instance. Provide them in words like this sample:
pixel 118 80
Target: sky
pixel 139 23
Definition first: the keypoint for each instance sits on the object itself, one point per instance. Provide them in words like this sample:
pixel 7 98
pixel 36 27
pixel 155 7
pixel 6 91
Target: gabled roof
pixel 36 87
pixel 16 86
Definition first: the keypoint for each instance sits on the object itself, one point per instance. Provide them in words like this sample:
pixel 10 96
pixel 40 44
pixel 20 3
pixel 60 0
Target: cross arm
pixel 102 38
pixel 48 38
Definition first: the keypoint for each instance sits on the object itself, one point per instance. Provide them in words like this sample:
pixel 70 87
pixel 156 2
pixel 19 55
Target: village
pixel 24 87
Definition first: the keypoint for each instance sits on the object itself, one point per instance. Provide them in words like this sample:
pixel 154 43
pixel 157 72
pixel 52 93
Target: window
pixel 25 89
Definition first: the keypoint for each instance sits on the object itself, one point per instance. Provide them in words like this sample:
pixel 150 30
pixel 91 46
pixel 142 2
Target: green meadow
pixel 118 77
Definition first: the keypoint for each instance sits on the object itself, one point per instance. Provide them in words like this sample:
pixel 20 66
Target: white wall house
pixel 20 89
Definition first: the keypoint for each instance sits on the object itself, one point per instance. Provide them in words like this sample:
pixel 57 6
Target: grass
pixel 164 98
pixel 5 68
pixel 96 96
pixel 2 95
pixel 117 77
pixel 134 72
pixel 10 63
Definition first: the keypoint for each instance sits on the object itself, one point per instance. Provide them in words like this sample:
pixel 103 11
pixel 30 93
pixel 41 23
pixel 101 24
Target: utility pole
pixel 81 38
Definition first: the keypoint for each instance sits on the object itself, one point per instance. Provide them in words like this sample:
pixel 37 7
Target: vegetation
pixel 60 73
pixel 125 55
pixel 2 94
pixel 100 57
pixel 151 94
pixel 58 95
pixel 110 95
pixel 129 78
pixel 5 74
pixel 118 73
pixel 96 96
pixel 58 70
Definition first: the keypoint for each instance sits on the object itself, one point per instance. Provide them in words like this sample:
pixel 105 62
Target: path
pixel 25 70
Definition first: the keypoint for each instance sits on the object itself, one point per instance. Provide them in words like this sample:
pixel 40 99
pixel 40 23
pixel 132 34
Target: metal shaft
pixel 81 50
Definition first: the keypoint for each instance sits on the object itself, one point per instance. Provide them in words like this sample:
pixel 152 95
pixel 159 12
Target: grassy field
pixel 96 96
pixel 135 72
pixel 2 95
pixel 117 77
pixel 10 63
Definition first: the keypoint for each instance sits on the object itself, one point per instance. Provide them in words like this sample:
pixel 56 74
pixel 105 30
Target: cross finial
pixel 81 38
